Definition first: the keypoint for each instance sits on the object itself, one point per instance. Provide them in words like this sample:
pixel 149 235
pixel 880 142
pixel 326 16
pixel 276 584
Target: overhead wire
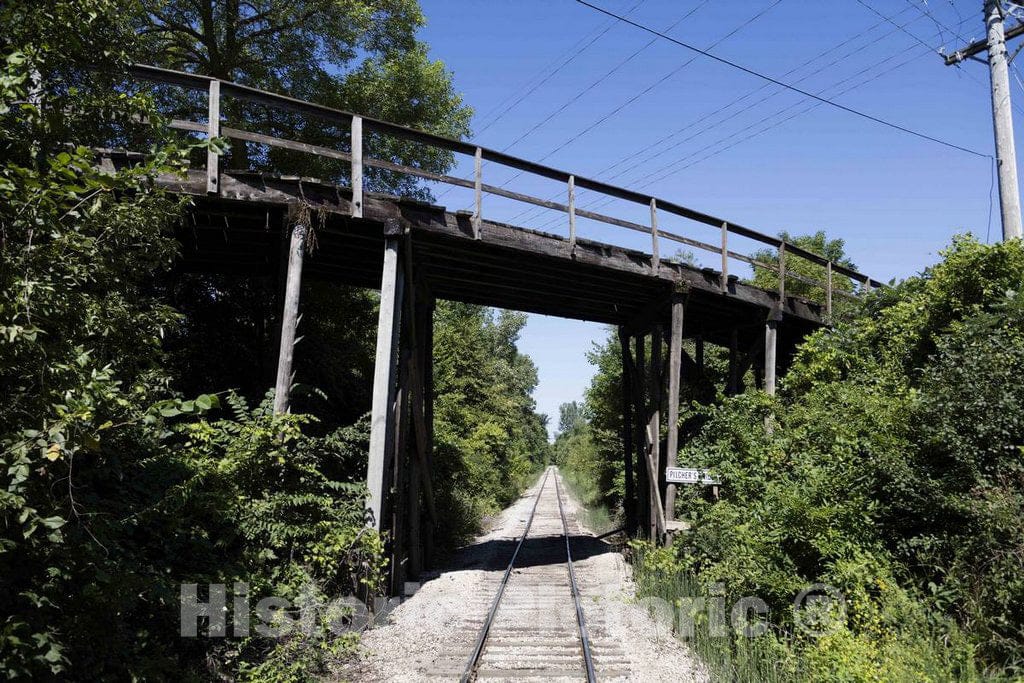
pixel 753 72
pixel 712 119
pixel 670 169
pixel 546 73
pixel 503 108
pixel 618 108
pixel 716 121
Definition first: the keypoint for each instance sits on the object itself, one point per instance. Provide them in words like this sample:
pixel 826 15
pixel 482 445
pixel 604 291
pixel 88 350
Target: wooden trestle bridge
pixel 245 222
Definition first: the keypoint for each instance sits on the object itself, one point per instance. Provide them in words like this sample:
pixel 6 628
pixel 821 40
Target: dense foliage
pixel 361 56
pixel 138 451
pixel 489 437
pixel 892 471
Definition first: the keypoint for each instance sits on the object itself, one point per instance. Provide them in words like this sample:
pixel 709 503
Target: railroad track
pixel 536 628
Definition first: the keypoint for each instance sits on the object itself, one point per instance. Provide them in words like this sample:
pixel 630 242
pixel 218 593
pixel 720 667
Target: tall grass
pixel 729 657
pixel 592 513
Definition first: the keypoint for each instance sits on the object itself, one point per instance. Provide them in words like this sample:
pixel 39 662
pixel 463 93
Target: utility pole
pixel 1002 117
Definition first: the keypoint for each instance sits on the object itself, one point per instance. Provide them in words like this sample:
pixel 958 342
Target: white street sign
pixel 689 475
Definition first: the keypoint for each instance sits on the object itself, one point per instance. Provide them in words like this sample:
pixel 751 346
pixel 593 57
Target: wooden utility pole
pixel 1002 118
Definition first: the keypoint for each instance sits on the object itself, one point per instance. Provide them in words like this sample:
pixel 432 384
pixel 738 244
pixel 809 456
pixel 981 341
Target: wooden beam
pixel 357 167
pixel 626 381
pixel 478 201
pixel 572 215
pixel 640 437
pixel 675 352
pixel 655 392
pixel 289 318
pixel 213 131
pixel 771 340
pixel 655 251
pixel 381 415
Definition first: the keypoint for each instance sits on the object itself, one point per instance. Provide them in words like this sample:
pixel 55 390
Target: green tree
pixel 361 56
pixel 570 418
pixel 893 472
pixel 818 243
pixel 489 436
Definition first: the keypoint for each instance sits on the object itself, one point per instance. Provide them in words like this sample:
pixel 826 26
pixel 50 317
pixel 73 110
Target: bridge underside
pixel 243 230
pixel 416 253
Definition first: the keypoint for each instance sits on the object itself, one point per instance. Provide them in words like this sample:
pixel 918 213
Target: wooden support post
pixel 654 395
pixel 357 167
pixel 381 414
pixel 733 386
pixel 427 370
pixel 289 318
pixel 771 334
pixel 572 215
pixel 478 195
pixel 655 255
pixel 213 131
pixel 640 440
pixel 675 352
pixel 398 503
pixel 417 317
pixel 828 290
pixel 626 380
pixel 725 258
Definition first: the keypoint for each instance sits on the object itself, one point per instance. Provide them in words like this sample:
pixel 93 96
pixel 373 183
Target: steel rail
pixel 580 620
pixel 478 649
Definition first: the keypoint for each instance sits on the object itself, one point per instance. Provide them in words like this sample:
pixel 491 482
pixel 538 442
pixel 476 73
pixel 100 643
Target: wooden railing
pixel 217 89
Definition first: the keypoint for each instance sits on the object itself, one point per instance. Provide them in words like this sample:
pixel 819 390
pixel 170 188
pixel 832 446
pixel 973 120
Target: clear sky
pixel 739 148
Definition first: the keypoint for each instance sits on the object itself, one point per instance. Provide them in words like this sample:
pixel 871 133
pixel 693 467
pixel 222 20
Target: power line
pixel 573 52
pixel 716 121
pixel 770 79
pixel 602 78
pixel 643 92
pixel 667 170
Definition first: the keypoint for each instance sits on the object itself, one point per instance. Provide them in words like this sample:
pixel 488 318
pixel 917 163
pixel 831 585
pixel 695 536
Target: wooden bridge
pixel 252 223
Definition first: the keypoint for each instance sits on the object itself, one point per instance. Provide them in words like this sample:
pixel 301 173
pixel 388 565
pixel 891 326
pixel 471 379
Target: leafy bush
pixel 893 472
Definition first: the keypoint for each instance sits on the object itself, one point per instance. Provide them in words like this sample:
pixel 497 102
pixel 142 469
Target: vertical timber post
pixel 213 131
pixel 289 319
pixel 572 215
pixel 357 167
pixel 771 337
pixel 643 487
pixel 478 192
pixel 382 428
pixel 675 355
pixel 398 503
pixel 654 394
pixel 628 502
pixel 427 370
pixel 655 255
pixel 725 258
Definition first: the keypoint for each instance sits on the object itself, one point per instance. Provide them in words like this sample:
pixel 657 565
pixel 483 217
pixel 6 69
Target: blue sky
pixel 894 198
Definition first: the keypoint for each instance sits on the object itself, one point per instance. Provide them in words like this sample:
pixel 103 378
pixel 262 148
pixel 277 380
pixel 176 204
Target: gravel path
pixel 430 635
